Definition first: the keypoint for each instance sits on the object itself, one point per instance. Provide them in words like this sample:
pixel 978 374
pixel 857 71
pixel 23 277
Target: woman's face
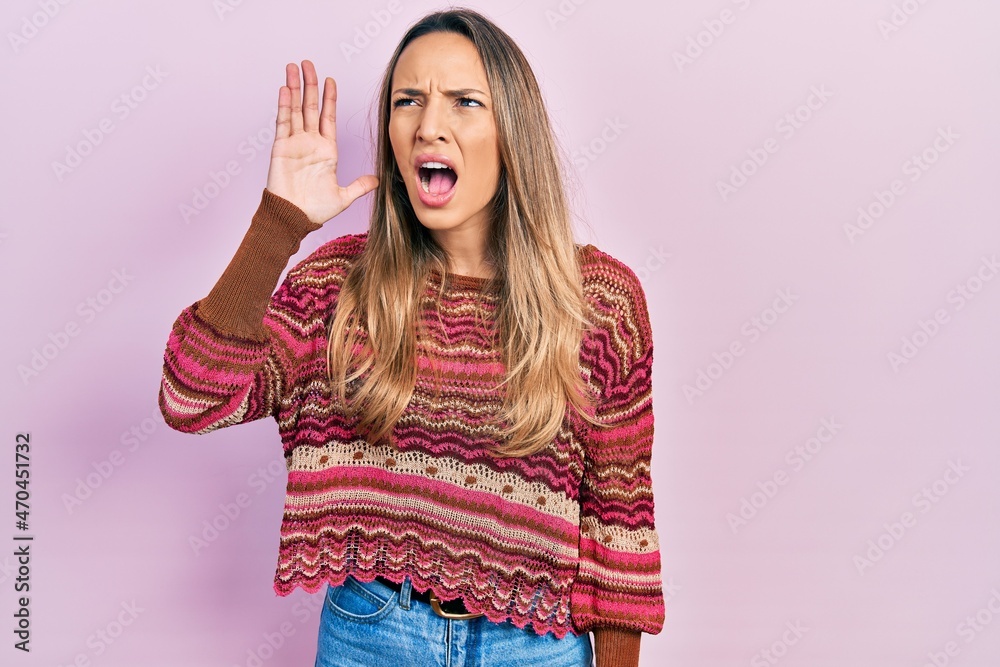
pixel 440 106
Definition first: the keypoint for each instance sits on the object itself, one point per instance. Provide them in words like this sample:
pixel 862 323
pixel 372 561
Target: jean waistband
pixel 408 593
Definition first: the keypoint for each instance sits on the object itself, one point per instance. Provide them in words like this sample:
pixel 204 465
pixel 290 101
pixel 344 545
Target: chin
pixel 437 220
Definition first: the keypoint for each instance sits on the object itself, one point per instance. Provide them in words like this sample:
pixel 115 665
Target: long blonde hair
pixel 541 314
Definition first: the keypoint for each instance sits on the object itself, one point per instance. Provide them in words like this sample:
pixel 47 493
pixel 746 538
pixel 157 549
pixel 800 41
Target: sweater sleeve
pixel 618 590
pixel 222 365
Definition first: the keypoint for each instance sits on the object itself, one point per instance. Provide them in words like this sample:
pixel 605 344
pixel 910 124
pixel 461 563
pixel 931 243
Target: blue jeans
pixel 372 625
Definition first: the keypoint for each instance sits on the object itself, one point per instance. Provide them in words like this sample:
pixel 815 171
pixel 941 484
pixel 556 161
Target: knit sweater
pixel 563 539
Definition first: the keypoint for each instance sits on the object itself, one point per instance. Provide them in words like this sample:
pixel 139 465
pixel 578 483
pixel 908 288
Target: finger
pixel 310 98
pixel 282 122
pixel 361 186
pixel 292 81
pixel 328 116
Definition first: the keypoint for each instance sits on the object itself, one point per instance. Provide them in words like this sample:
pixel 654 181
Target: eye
pixel 469 99
pixel 399 102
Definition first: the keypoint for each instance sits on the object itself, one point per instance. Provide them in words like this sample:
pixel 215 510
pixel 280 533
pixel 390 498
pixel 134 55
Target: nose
pixel 433 120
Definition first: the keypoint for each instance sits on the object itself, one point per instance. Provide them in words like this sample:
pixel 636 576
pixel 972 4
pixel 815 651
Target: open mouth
pixel 436 178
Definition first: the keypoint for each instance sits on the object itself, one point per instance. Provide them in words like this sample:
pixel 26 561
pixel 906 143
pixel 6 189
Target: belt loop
pixel 404 593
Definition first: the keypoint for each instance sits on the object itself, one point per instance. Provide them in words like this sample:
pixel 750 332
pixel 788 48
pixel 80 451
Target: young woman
pixel 463 393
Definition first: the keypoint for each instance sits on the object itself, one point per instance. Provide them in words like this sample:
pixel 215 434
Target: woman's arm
pixel 220 366
pixel 614 647
pixel 618 591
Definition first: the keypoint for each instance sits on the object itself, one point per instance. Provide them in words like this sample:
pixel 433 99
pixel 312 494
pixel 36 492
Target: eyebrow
pixel 414 92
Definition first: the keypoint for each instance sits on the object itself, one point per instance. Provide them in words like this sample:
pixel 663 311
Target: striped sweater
pixel 563 540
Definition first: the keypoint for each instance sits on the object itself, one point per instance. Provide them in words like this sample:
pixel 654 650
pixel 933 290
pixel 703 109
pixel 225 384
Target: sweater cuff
pixel 614 647
pixel 240 298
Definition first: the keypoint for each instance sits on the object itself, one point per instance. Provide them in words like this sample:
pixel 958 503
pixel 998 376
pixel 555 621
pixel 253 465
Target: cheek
pixel 487 163
pixel 491 175
pixel 397 138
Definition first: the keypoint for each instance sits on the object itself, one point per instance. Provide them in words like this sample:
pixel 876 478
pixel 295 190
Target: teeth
pixel 425 180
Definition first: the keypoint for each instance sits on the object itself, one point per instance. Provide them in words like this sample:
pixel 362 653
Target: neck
pixel 465 247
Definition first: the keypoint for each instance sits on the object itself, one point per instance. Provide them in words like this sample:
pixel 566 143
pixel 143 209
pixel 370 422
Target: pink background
pixel 651 137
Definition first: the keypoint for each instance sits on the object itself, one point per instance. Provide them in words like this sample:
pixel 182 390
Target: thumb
pixel 361 186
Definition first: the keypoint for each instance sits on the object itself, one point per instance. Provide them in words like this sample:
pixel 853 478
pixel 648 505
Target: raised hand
pixel 303 166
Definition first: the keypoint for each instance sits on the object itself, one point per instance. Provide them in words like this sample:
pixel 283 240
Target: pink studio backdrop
pixel 807 191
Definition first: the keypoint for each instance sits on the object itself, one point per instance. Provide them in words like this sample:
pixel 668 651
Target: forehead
pixel 446 58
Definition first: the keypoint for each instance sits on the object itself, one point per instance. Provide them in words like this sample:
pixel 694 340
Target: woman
pixel 462 392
